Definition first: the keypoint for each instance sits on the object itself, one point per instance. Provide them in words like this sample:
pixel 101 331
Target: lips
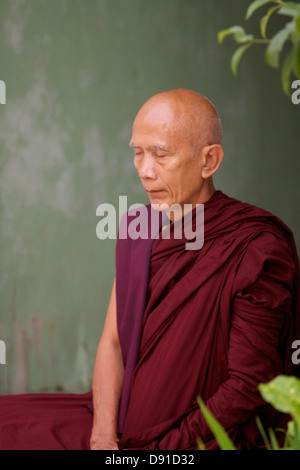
pixel 153 191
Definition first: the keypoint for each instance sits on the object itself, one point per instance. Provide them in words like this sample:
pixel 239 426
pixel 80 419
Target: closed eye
pixel 160 151
pixel 161 155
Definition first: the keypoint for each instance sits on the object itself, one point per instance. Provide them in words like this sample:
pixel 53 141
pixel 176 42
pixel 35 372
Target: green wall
pixel 76 72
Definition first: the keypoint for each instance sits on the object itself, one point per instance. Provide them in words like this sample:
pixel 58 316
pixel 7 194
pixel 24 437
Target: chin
pixel 159 202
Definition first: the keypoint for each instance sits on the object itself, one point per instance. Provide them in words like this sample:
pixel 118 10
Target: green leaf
pixel 292 436
pixel 275 47
pixel 291 429
pixel 265 19
pixel 283 393
pixel 290 9
pixel 255 5
pixel 263 433
pixel 297 25
pixel 235 60
pixel 226 32
pixel 289 435
pixel 200 444
pixel 286 71
pixel 220 434
pixel 296 59
pixel 238 32
pixel 273 440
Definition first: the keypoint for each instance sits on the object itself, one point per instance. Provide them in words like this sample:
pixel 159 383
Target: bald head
pixel 195 117
pixel 176 139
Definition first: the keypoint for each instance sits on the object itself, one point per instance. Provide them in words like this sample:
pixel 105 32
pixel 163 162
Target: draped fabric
pixel 132 276
pixel 45 421
pixel 217 322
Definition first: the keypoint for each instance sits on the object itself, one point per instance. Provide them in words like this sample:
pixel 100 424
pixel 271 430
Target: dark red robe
pixel 214 322
pixel 218 322
pixel 45 421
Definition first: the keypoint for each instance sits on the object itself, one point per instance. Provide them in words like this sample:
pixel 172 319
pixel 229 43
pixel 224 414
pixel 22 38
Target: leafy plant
pixel 220 434
pixel 283 393
pixel 290 34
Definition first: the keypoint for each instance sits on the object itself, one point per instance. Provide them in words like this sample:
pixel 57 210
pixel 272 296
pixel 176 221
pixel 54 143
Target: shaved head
pixel 176 138
pixel 196 118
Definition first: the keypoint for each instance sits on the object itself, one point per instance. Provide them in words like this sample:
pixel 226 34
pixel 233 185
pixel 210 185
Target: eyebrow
pixel 159 147
pixel 152 147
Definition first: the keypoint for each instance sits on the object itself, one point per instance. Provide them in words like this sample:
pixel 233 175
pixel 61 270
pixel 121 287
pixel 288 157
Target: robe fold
pixel 216 322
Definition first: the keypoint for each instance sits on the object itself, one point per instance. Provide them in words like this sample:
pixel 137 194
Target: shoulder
pixel 267 255
pixel 253 221
pixel 266 243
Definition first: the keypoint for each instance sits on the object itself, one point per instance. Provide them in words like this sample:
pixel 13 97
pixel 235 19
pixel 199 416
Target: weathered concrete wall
pixel 76 72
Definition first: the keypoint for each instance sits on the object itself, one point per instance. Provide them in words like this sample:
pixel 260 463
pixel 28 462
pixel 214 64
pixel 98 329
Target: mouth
pixel 153 191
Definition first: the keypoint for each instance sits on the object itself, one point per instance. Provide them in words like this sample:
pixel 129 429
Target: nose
pixel 146 167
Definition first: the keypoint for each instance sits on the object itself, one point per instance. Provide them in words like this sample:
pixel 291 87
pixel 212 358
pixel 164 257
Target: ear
pixel 212 156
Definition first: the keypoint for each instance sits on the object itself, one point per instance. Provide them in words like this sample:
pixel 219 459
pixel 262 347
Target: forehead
pixel 158 122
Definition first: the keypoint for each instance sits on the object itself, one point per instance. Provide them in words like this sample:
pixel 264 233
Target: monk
pixel 213 322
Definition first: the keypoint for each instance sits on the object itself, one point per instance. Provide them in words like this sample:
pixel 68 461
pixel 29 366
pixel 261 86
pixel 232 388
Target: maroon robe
pixel 218 322
pixel 213 322
pixel 45 421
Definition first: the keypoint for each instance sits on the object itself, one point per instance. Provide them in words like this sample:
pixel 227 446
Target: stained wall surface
pixel 76 72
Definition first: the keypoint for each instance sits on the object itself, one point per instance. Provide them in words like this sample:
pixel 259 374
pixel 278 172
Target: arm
pixel 107 383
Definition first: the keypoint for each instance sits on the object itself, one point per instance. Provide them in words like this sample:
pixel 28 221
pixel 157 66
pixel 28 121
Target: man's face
pixel 165 158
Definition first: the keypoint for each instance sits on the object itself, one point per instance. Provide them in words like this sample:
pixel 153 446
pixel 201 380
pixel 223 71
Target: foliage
pixel 283 393
pixel 289 34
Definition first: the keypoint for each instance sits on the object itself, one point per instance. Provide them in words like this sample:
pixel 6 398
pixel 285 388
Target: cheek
pixel 178 176
pixel 193 170
pixel 190 177
pixel 171 180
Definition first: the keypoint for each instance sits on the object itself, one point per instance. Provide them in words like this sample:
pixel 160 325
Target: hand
pixel 101 442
